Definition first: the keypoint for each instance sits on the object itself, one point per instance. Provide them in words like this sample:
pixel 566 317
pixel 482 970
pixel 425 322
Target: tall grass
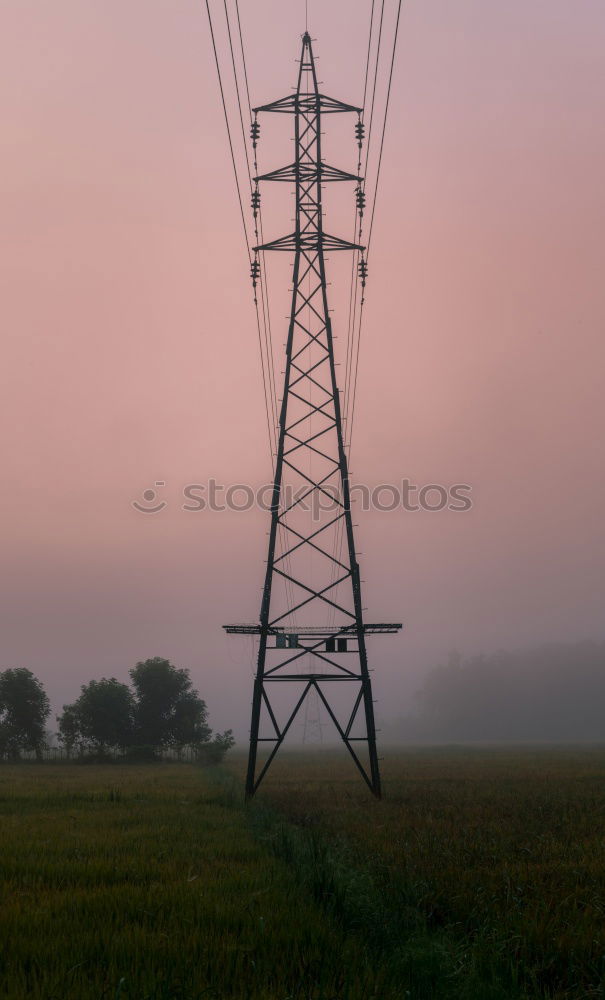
pixel 480 876
pixel 147 883
pixel 489 864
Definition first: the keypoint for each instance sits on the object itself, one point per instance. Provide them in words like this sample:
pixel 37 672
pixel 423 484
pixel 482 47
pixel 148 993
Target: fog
pixel 548 694
pixel 130 355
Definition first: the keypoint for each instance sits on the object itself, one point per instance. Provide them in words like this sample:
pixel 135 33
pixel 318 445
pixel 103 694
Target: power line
pixel 353 341
pixel 268 378
pixel 376 68
pixel 220 82
pixel 270 396
pixel 365 85
pixel 263 272
pixel 384 125
pixel 241 42
pixel 239 102
pixel 355 259
pixel 374 199
pixel 354 287
pixel 270 429
pixel 271 392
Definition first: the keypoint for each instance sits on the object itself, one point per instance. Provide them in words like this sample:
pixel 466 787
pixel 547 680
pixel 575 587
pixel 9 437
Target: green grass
pixel 490 861
pixel 137 882
pixel 480 876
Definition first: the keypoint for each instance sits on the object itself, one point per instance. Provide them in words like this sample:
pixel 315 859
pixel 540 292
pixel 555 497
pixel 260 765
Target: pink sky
pixel 130 350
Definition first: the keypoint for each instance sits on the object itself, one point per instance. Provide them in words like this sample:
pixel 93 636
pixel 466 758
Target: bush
pixel 213 752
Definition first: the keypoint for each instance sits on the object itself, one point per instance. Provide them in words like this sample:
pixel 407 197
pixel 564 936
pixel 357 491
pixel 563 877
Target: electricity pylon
pixel 311 522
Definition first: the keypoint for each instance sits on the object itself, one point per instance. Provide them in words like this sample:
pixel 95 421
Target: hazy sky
pixel 130 352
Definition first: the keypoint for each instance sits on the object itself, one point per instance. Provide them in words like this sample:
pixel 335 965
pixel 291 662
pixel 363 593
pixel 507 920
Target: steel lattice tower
pixel 311 525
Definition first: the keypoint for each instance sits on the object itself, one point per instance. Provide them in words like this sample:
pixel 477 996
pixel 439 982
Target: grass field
pixel 481 876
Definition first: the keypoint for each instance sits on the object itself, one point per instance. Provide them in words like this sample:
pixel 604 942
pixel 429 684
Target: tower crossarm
pixel 294 103
pixel 309 172
pixel 311 241
pixel 314 631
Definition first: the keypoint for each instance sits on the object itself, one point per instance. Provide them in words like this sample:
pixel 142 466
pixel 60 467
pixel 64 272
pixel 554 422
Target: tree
pixel 165 711
pixel 188 726
pixel 24 709
pixel 169 712
pixel 102 717
pixel 69 728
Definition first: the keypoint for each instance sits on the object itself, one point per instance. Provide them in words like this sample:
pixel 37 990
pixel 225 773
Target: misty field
pixel 480 876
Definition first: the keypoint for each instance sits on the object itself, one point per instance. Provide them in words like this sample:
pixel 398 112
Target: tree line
pixel 551 693
pixel 161 711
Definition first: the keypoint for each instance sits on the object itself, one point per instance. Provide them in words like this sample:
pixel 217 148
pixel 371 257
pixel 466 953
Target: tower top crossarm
pixel 311 100
pixel 293 102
